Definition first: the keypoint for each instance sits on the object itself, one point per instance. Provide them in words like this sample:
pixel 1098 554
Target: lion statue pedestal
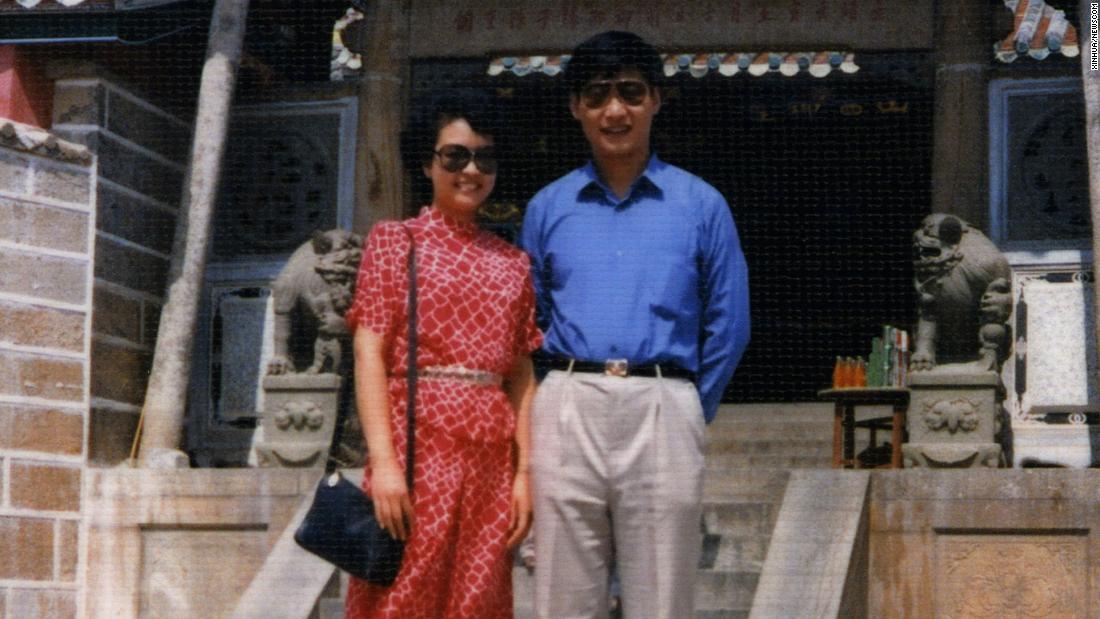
pixel 963 285
pixel 953 420
pixel 300 417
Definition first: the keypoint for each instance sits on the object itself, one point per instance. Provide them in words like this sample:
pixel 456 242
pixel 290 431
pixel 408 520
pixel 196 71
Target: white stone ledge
pixel 121 242
pixel 45 251
pixel 36 200
pixel 144 151
pixel 39 584
pixel 40 514
pixel 120 342
pixel 44 457
pixel 137 195
pixel 7 398
pixel 123 291
pixel 42 351
pixel 229 483
pixel 114 406
pixel 40 302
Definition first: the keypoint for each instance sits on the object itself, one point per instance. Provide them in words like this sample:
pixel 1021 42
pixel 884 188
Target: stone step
pixel 721 614
pixel 744 484
pixel 770 431
pixel 764 447
pixel 739 518
pixel 773 412
pixel 724 591
pixel 729 461
pixel 330 608
pixel 735 553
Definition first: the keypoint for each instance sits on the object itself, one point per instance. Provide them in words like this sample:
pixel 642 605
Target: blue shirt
pixel 656 277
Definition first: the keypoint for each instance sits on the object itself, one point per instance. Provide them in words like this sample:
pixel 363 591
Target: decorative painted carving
pixel 963 287
pixel 1039 30
pixel 955 414
pixel 1011 576
pixel 954 420
pixel 299 415
pixel 297 425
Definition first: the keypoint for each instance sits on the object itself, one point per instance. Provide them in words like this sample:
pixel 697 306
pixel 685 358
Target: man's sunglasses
pixel 630 91
pixel 455 158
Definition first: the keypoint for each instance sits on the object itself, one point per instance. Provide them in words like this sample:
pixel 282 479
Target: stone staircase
pixel 751 450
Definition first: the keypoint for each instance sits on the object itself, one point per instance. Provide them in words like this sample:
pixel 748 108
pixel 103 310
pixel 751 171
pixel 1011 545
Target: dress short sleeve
pixel 528 336
pixel 378 293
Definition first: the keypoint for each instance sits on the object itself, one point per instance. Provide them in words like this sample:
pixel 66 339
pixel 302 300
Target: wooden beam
pixel 379 175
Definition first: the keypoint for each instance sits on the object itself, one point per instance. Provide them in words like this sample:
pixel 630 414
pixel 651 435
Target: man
pixel 643 296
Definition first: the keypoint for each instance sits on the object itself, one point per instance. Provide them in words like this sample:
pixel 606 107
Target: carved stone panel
pixel 178 565
pixel 1056 366
pixel 1011 576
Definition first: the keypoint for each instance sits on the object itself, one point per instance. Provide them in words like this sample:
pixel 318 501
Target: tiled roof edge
pixel 817 64
pixel 37 141
pixel 1038 31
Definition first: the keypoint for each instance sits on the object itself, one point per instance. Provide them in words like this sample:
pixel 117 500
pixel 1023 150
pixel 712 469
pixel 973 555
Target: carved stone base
pixel 954 455
pixel 298 421
pixel 954 415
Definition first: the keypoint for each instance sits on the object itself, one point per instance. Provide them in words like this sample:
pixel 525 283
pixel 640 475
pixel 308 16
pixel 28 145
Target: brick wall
pixel 47 190
pixel 142 153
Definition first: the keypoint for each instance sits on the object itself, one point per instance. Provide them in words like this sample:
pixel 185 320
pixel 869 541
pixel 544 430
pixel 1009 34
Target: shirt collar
pixel 649 182
pixel 435 217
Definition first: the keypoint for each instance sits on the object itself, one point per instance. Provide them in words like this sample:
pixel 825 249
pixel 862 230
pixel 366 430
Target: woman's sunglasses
pixel 630 91
pixel 455 158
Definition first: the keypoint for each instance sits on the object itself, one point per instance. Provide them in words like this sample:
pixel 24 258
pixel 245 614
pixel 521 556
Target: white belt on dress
pixel 481 378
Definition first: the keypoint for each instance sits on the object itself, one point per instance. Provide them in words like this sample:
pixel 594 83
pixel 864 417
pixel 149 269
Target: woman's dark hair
pixel 608 53
pixel 438 109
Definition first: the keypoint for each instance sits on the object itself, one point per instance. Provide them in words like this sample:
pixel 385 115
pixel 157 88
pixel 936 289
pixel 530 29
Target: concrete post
pixel 960 177
pixel 1090 78
pixel 166 396
pixel 379 175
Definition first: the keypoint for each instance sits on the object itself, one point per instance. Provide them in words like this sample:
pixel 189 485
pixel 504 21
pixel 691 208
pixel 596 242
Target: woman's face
pixel 459 193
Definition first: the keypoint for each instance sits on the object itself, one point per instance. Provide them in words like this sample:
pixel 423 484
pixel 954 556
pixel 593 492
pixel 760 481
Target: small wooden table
pixel 844 420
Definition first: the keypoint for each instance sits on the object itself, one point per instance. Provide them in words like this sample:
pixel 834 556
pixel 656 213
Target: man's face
pixel 616 114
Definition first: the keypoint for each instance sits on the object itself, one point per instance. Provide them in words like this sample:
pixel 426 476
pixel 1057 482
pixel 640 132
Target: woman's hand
pixel 392 506
pixel 519 522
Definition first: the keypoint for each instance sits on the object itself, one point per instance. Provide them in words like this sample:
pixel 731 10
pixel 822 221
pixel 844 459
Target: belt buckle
pixel 616 367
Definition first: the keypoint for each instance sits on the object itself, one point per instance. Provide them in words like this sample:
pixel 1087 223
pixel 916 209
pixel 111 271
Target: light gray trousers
pixel 617 467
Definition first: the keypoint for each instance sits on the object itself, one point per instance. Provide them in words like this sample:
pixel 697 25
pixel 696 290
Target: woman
pixel 471 502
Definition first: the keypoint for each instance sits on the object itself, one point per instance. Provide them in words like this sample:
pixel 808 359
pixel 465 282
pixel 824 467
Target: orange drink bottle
pixel 847 373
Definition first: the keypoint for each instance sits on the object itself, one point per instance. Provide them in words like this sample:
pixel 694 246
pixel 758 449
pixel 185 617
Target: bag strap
pixel 410 378
pixel 410 373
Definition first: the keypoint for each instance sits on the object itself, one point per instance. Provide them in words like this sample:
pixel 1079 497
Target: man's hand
pixel 392 506
pixel 519 522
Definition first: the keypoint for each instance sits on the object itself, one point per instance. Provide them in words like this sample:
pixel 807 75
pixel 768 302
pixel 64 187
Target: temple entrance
pixel 827 179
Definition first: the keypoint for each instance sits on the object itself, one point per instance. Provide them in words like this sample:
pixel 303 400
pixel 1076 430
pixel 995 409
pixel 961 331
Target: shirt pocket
pixel 678 293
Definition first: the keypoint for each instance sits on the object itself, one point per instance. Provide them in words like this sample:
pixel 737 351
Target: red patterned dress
pixel 475 312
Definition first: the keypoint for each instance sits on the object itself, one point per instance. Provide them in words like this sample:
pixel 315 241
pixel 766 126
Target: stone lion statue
pixel 964 295
pixel 312 294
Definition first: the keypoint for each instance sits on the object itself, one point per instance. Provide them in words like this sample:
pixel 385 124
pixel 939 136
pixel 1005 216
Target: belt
pixel 621 367
pixel 459 373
